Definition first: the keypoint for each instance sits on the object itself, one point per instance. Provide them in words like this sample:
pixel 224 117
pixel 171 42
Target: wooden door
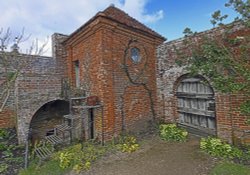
pixel 196 106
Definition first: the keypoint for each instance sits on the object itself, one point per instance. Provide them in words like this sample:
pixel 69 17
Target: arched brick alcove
pixel 28 112
pixel 47 117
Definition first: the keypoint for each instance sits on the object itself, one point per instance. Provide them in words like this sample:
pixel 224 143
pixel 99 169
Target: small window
pixel 135 55
pixel 77 73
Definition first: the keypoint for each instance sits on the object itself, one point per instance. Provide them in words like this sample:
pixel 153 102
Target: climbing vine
pixel 223 58
pixel 137 79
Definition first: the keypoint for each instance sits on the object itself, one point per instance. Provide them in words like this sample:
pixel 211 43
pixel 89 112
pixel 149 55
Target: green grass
pixel 226 168
pixel 50 167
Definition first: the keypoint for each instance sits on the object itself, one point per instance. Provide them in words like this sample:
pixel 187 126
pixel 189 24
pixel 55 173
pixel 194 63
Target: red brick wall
pixel 7 118
pixel 105 42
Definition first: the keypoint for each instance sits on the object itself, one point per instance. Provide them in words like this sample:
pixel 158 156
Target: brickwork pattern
pixel 105 42
pixel 231 126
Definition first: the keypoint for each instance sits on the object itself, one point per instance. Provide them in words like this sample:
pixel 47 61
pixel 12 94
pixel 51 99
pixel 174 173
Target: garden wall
pixel 230 124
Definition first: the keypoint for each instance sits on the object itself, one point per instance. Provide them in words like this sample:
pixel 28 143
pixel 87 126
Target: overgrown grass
pixel 78 157
pixel 226 168
pixel 50 167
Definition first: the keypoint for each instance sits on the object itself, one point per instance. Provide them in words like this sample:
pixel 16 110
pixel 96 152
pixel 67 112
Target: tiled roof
pixel 119 16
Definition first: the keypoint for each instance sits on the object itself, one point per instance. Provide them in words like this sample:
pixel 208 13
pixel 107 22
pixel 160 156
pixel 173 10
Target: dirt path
pixel 157 157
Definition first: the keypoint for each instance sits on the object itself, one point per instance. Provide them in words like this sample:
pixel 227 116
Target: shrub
pixel 170 132
pixel 216 147
pixel 3 167
pixel 3 146
pixel 79 156
pixel 128 144
pixel 4 134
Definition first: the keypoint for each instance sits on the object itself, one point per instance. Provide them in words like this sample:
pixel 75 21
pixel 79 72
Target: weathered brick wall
pixel 230 126
pixel 59 52
pixel 38 83
pixel 104 44
pixel 132 105
pixel 7 115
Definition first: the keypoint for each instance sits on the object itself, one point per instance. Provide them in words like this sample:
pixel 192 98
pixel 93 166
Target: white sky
pixel 42 18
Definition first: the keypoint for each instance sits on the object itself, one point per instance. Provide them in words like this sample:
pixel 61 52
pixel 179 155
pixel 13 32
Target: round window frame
pixel 136 51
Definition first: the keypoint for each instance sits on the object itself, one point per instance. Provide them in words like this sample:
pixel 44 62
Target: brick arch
pixel 47 117
pixel 25 114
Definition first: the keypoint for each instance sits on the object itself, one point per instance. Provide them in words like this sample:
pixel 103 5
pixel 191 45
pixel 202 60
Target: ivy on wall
pixel 223 58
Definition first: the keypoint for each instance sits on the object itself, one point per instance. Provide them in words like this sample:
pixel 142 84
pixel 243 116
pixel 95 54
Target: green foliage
pixel 79 157
pixel 50 167
pixel 245 107
pixel 217 18
pixel 217 148
pixel 3 146
pixel 3 167
pixel 226 168
pixel 188 32
pixel 65 158
pixel 170 132
pixel 4 134
pixel 215 60
pixel 8 153
pixel 128 144
pixel 14 159
pixel 225 61
pixel 242 7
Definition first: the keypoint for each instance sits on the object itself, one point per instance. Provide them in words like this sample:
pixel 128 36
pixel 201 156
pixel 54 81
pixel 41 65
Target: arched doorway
pixel 196 105
pixel 47 117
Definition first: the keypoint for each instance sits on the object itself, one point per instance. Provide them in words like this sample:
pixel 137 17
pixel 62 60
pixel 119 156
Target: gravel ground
pixel 156 157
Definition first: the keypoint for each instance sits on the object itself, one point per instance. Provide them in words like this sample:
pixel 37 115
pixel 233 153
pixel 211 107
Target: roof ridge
pixel 112 13
pixel 137 24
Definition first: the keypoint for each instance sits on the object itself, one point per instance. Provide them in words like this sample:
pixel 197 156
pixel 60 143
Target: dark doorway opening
pixel 47 117
pixel 91 123
pixel 50 132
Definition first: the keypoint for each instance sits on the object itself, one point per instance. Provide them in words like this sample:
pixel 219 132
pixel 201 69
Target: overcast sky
pixel 42 18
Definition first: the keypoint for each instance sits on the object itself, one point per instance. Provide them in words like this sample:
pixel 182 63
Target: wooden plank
pixel 181 118
pixel 194 103
pixel 198 130
pixel 63 127
pixel 195 120
pixel 77 98
pixel 203 122
pixel 211 123
pixel 191 80
pixel 53 139
pixel 195 95
pixel 43 152
pixel 196 111
pixel 86 107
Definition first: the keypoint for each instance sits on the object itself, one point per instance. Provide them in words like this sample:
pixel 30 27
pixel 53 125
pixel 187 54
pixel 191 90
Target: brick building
pixel 116 75
pixel 113 57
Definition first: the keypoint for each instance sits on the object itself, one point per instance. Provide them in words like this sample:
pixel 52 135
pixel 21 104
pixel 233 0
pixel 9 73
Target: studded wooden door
pixel 196 106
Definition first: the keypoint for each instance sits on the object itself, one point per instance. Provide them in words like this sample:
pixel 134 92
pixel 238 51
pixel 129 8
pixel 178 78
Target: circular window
pixel 135 55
